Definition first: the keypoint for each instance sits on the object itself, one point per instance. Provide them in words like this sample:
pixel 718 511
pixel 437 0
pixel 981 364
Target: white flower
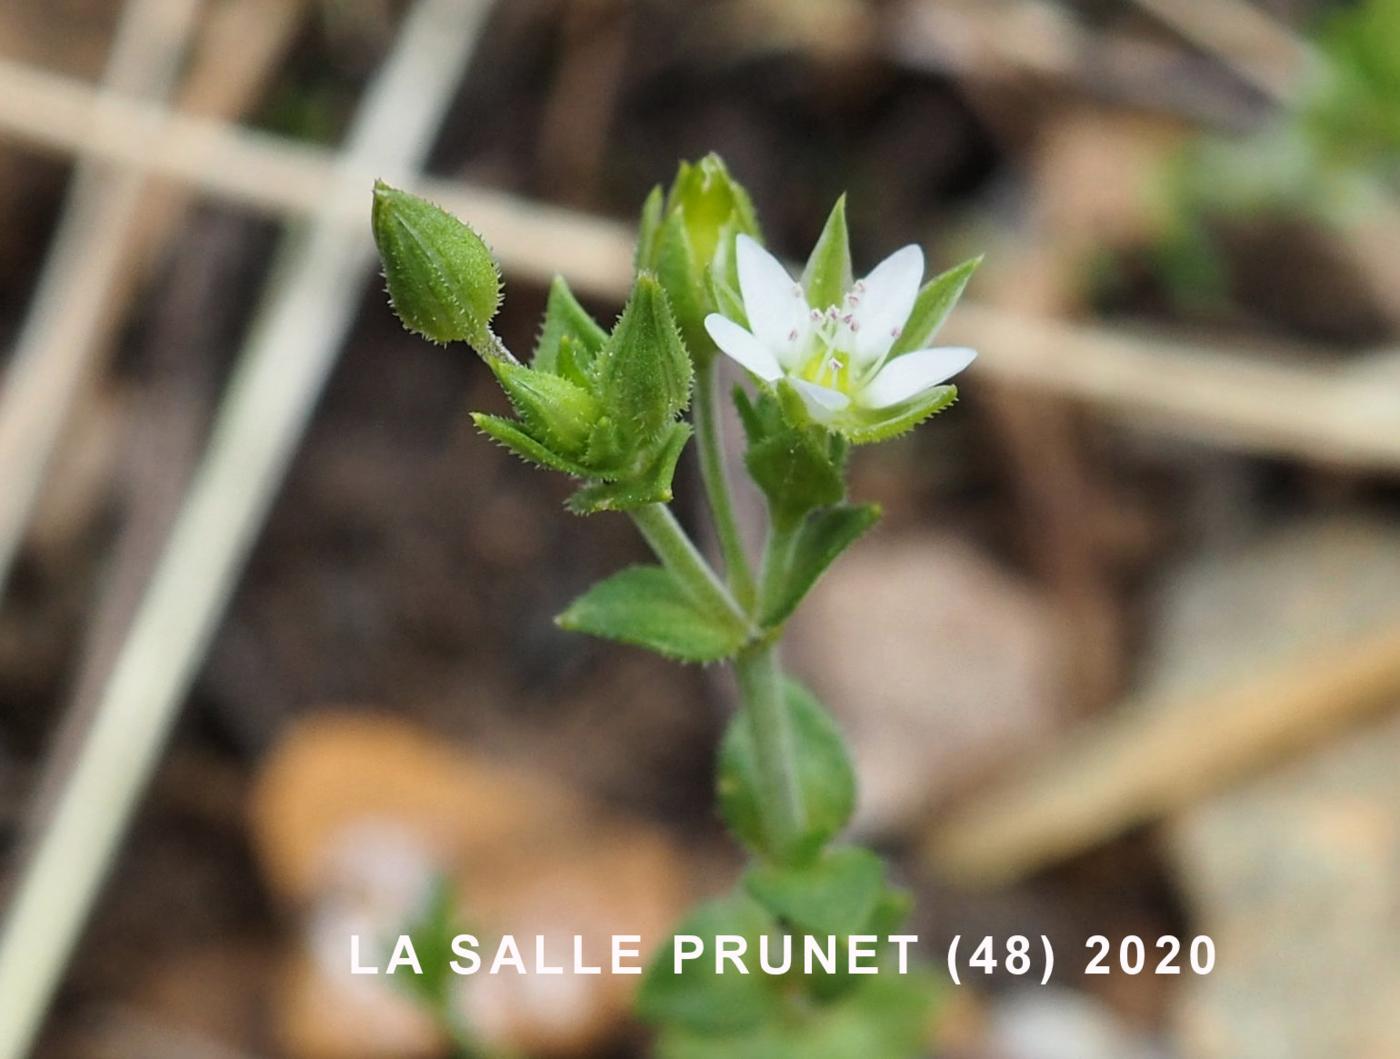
pixel 837 357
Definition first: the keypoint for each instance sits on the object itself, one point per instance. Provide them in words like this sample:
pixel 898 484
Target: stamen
pixel 792 335
pixel 816 315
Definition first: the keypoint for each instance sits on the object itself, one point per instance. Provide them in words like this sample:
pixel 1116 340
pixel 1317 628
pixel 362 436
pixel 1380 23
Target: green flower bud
pixel 443 281
pixel 687 239
pixel 558 413
pixel 643 372
pixel 601 407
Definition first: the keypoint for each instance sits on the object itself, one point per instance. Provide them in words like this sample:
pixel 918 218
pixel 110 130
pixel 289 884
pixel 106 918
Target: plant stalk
pixel 680 556
pixel 765 705
pixel 775 752
pixel 710 446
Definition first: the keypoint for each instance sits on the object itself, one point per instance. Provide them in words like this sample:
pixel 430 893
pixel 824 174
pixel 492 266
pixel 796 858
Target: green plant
pixel 834 362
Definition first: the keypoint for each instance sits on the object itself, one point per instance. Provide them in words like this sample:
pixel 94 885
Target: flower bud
pixel 643 371
pixel 443 282
pixel 687 239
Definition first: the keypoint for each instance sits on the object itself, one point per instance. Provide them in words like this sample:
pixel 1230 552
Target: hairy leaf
pixel 645 607
pixel 825 778
pixel 823 536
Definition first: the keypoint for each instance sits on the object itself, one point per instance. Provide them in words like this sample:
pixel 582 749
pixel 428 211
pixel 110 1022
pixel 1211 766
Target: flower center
pixel 828 357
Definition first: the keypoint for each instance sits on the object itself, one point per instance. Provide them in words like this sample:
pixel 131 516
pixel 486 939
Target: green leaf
pixel 645 607
pixel 835 894
pixel 824 536
pixel 644 372
pixel 443 282
pixel 825 779
pixel 884 1016
pixel 932 306
pixel 509 435
pixel 699 1000
pixel 797 468
pixel 558 412
pixel 867 427
pixel 827 276
pixel 432 932
pixel 565 320
pixel 651 485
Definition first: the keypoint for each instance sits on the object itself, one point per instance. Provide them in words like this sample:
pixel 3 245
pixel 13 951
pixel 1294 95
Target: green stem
pixel 713 470
pixel 765 705
pixel 770 724
pixel 680 556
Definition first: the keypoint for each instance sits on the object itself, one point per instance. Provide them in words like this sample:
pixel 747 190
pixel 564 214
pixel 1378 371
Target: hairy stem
pixel 775 753
pixel 710 446
pixel 680 556
pixel 765 705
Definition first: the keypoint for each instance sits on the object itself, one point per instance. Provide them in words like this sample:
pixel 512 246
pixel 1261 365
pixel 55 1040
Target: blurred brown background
pixel 1118 661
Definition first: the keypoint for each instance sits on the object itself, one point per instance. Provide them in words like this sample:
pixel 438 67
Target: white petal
pixel 743 347
pixel 776 307
pixel 886 302
pixel 823 402
pixel 910 374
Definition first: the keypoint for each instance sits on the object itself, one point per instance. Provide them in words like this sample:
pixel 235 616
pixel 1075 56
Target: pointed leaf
pixel 835 894
pixel 510 435
pixel 827 277
pixel 932 306
pixel 565 319
pixel 825 778
pixel 824 536
pixel 443 282
pixel 645 607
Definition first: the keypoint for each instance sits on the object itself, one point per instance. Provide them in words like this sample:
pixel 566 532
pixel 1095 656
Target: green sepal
pixel 797 467
pixel 822 537
pixel 835 894
pixel 643 372
pixel 652 485
pixel 645 607
pixel 648 229
pixel 566 320
pixel 700 1001
pixel 443 282
pixel 575 362
pixel 827 276
pixel 935 301
pixel 864 427
pixel 825 779
pixel 558 412
pixel 509 435
pixel 689 243
pixel 726 299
